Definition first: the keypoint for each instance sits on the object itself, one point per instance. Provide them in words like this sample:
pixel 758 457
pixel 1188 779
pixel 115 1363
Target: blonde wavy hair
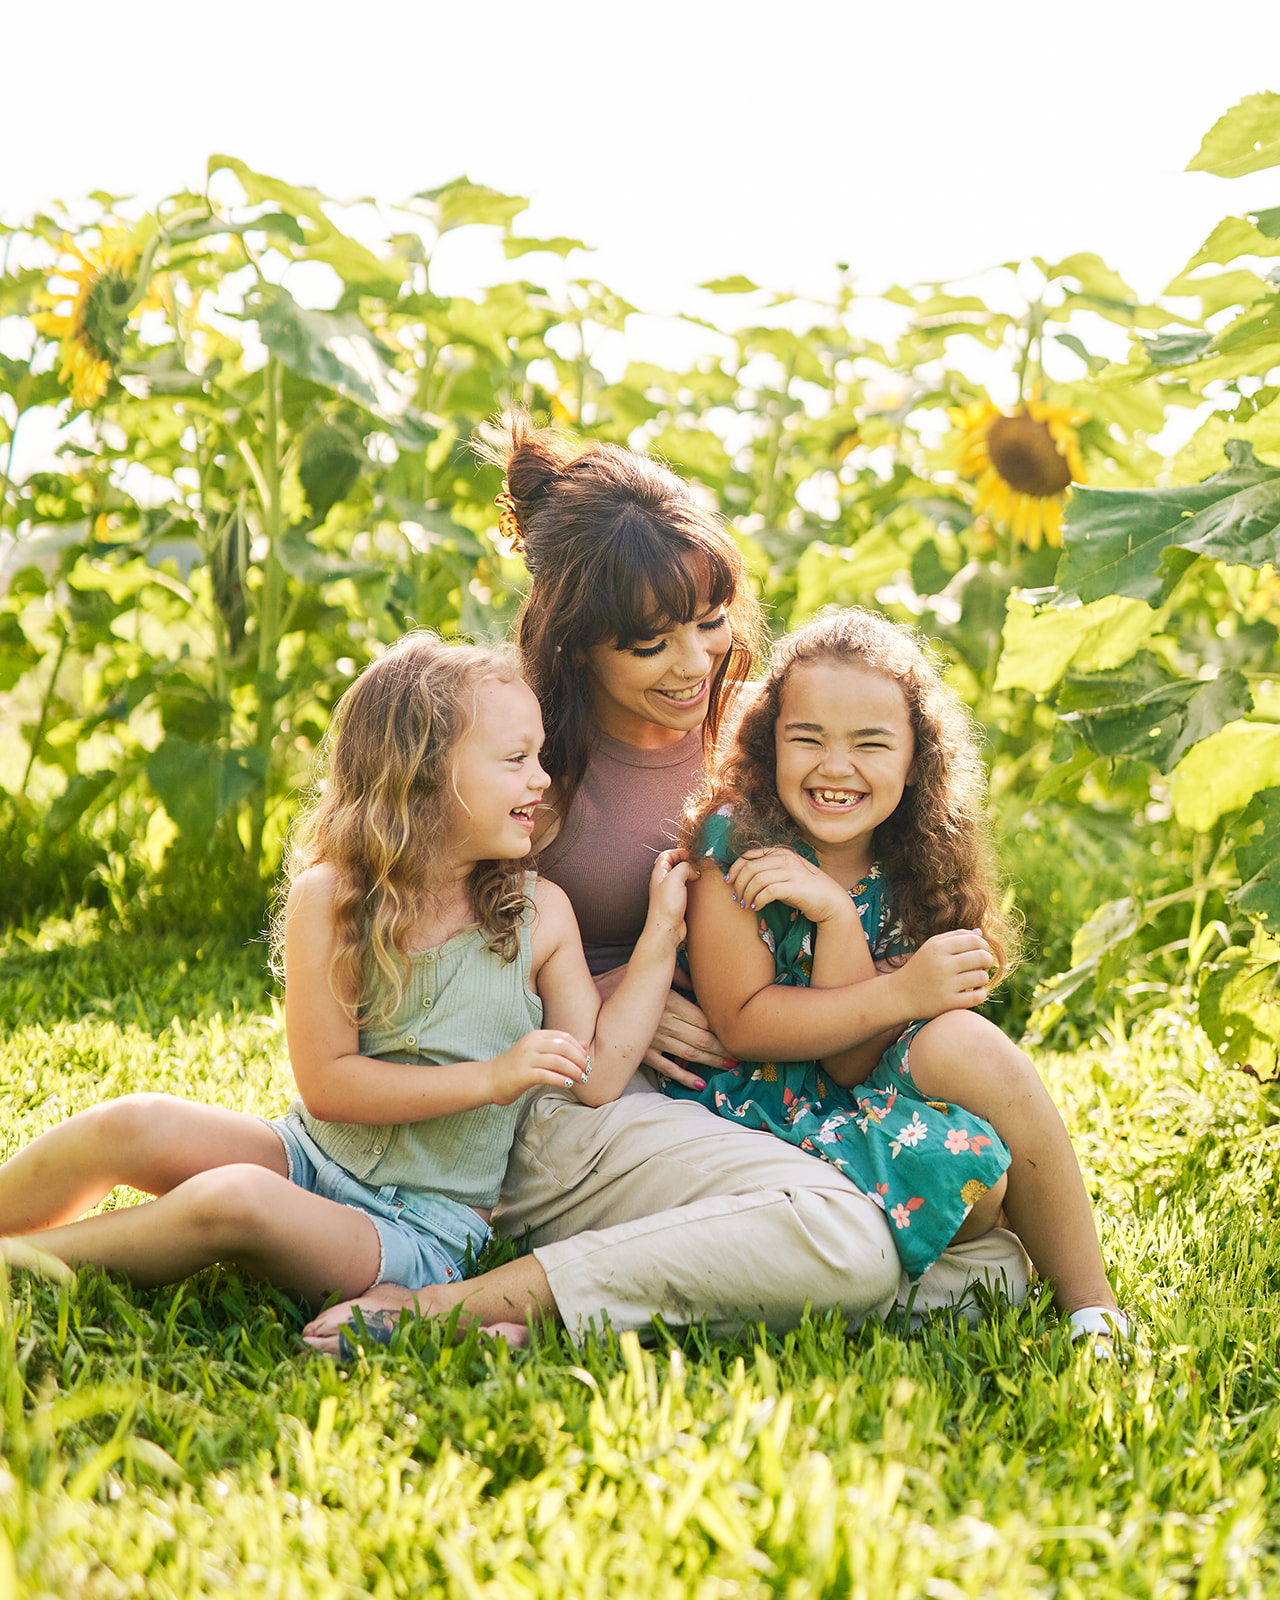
pixel 384 811
pixel 936 848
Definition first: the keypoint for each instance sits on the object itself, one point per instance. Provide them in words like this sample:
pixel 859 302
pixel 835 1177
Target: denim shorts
pixel 423 1238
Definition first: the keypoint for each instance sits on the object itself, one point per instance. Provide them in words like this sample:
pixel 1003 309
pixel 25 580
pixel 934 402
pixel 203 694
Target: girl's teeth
pixel 834 797
pixel 683 694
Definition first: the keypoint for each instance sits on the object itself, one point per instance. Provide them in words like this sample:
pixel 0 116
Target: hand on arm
pixel 683 1032
pixel 949 972
pixel 761 1020
pixel 338 1084
pixel 622 1027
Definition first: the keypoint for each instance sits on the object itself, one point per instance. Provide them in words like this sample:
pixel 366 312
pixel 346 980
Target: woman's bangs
pixel 667 585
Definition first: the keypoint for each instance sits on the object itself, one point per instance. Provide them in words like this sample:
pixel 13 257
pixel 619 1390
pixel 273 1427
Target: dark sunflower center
pixel 103 318
pixel 1023 452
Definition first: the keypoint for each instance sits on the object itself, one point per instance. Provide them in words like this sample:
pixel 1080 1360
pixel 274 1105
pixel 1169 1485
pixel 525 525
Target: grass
pixel 181 1442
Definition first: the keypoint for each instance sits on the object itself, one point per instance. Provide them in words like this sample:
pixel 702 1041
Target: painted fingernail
pixel 701 1083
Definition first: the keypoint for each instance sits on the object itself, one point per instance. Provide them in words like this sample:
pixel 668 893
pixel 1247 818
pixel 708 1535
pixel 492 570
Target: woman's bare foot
pixel 380 1328
pixel 515 1333
pixel 324 1333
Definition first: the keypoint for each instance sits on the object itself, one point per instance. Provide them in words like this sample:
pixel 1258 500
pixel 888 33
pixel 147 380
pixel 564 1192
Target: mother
pixel 638 630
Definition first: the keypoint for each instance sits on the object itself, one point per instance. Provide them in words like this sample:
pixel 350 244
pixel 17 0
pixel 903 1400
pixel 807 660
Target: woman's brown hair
pixel 384 812
pixel 935 849
pixel 619 551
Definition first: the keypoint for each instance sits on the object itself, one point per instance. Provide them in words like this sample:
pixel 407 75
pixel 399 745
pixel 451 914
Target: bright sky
pixel 687 139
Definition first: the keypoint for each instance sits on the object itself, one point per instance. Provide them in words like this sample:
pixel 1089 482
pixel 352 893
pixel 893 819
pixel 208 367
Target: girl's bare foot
pixel 21 1253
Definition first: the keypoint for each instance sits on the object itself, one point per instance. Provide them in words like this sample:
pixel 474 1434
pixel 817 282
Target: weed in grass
pixel 184 1443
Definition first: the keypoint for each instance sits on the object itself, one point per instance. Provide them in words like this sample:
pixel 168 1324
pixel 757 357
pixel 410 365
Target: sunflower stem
pixel 6 479
pixel 46 702
pixel 269 605
pixel 1035 333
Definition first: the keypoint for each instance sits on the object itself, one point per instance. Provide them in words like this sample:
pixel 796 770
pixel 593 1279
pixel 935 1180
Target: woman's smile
pixel 654 692
pixel 685 694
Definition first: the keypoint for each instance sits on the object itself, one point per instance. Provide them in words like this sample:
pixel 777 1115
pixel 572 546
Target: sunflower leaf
pixel 1114 539
pixel 457 204
pixel 1175 349
pixel 198 783
pixel 1244 139
pixel 1258 858
pixel 1139 711
pixel 1238 1005
pixel 336 350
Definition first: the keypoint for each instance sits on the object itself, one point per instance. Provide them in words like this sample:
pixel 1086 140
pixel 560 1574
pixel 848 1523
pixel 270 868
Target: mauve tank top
pixel 626 810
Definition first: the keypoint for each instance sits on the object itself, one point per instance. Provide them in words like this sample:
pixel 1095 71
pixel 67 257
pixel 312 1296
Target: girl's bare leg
pixel 152 1142
pixel 239 1213
pixel 224 1196
pixel 965 1058
pixel 500 1300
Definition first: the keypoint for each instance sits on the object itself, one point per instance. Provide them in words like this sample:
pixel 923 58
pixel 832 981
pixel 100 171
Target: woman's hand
pixel 759 877
pixel 541 1059
pixel 684 1032
pixel 949 972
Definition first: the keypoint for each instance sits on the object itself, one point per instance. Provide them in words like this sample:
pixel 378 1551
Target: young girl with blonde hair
pixel 851 928
pixel 430 981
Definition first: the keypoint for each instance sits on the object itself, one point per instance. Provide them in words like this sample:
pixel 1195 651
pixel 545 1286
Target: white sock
pixel 1098 1319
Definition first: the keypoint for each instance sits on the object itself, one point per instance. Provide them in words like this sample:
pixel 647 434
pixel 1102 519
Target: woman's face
pixel 654 691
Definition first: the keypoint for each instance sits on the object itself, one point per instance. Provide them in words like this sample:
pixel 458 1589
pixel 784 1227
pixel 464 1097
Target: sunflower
pixel 90 320
pixel 1022 464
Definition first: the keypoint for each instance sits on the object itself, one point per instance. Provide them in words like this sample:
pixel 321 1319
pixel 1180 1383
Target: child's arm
pixel 760 1020
pixel 621 1028
pixel 338 1084
pixel 841 954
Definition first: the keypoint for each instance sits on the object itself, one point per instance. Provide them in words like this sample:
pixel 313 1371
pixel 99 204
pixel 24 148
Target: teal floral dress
pixel 923 1162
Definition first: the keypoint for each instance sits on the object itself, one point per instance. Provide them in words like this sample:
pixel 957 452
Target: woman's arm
pixel 338 1084
pixel 621 1027
pixel 760 1020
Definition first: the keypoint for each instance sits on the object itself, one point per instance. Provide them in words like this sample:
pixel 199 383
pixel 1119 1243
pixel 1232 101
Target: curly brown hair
pixel 617 549
pixel 936 848
pixel 382 816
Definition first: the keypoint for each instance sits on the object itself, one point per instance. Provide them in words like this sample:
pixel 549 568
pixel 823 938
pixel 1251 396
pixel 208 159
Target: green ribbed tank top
pixel 461 1003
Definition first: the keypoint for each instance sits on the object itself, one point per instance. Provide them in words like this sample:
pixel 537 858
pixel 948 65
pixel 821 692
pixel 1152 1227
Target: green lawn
pixel 182 1442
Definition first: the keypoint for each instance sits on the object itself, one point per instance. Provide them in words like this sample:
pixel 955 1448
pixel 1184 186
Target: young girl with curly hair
pixel 852 926
pixel 430 981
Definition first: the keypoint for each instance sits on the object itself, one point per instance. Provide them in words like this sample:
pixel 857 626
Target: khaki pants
pixel 655 1207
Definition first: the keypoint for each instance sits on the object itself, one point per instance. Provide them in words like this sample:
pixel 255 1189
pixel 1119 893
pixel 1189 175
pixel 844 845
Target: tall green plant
pixel 1158 643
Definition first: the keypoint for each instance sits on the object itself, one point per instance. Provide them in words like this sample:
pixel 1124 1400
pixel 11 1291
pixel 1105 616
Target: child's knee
pixel 960 1042
pixel 129 1122
pixel 231 1204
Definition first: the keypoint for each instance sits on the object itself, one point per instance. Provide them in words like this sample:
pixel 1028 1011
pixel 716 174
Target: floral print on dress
pixel 924 1163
